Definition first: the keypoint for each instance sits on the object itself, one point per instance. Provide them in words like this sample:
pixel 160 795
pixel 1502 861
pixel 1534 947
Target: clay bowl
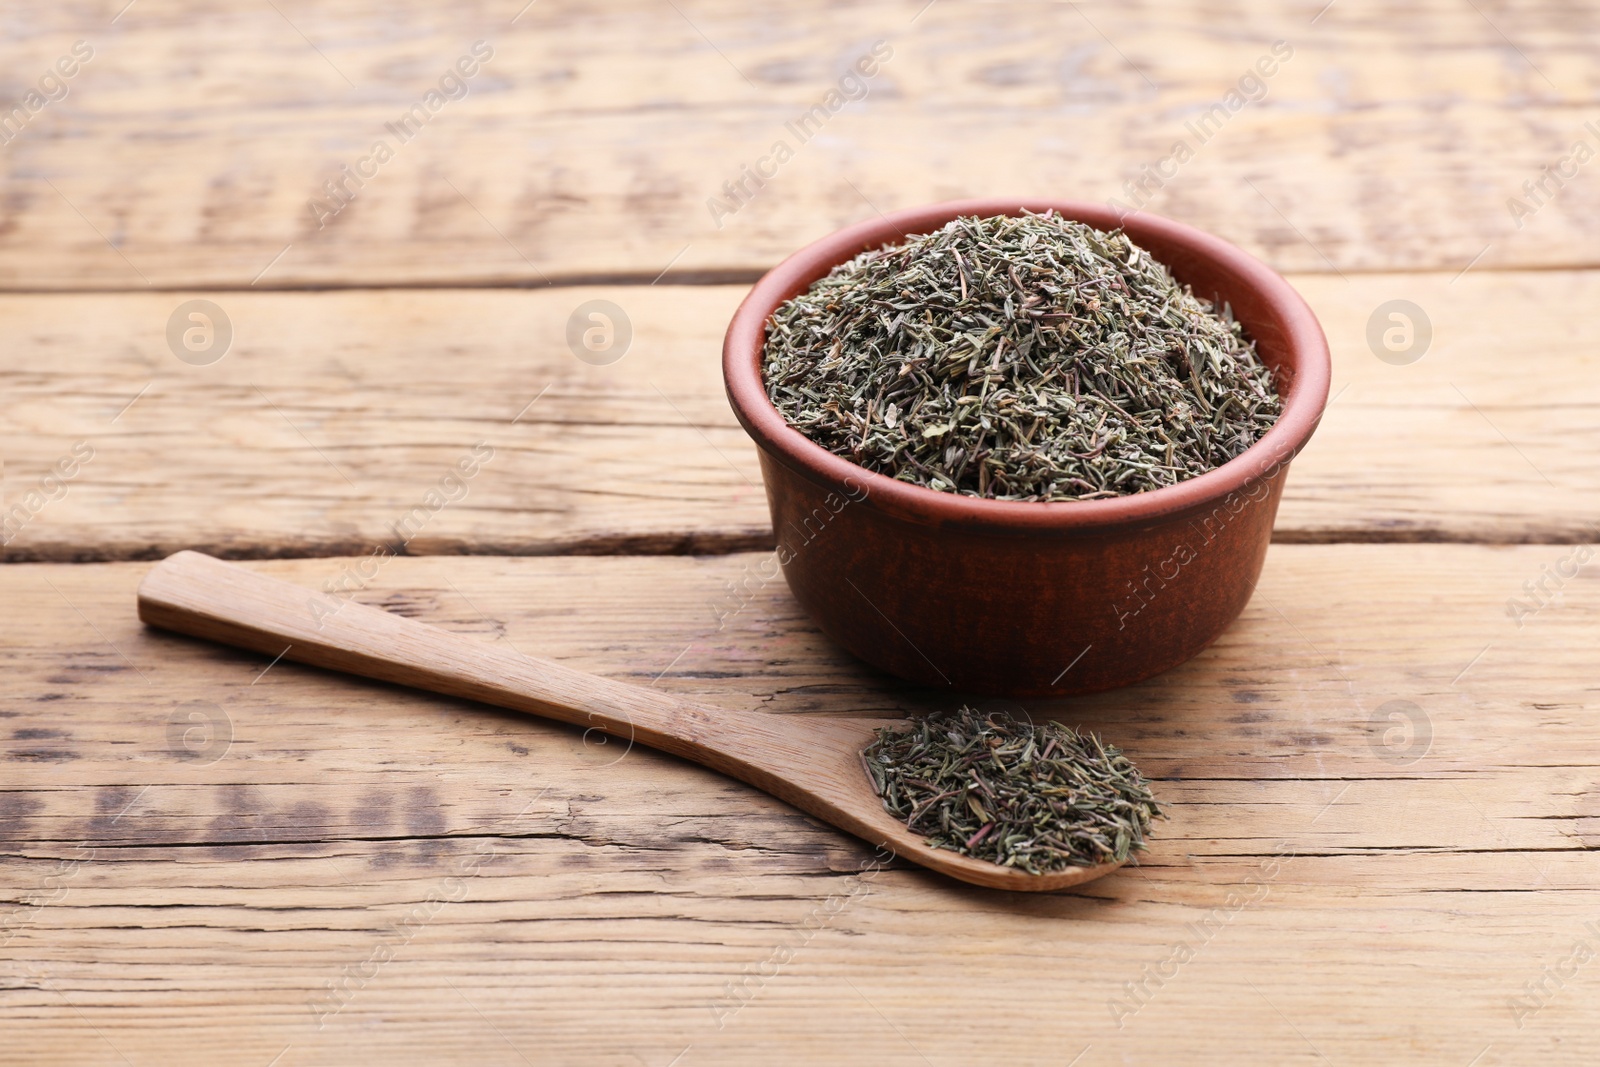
pixel 1030 599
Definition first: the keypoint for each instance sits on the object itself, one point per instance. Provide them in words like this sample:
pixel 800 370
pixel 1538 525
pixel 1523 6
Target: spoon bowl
pixel 814 764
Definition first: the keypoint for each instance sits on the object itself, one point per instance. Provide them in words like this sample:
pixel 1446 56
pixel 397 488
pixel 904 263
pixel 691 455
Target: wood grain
pixel 1382 778
pixel 334 414
pixel 1346 890
pixel 187 151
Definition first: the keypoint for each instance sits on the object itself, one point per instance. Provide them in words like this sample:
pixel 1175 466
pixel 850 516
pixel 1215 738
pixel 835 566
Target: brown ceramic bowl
pixel 1030 599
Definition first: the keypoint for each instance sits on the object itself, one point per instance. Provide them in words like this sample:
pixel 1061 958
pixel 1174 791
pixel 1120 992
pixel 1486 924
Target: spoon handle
pixel 816 766
pixel 195 594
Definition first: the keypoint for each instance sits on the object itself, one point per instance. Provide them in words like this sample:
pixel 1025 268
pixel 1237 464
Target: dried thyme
pixel 1037 797
pixel 1017 358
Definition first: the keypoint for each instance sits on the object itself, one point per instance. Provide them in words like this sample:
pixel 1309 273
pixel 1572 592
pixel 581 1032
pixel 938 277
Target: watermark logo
pixel 199 332
pixel 854 84
pixel 451 488
pixel 1538 992
pixel 1537 192
pixel 454 84
pixel 742 591
pixel 1250 88
pixel 52 486
pixel 337 993
pixel 1542 591
pixel 599 332
pixel 1399 332
pixel 737 994
pixel 1255 888
pixel 1147 585
pixel 603 741
pixel 199 732
pixel 52 87
pixel 1400 732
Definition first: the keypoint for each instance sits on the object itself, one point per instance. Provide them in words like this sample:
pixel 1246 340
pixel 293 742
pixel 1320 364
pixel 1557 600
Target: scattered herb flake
pixel 1037 797
pixel 1024 357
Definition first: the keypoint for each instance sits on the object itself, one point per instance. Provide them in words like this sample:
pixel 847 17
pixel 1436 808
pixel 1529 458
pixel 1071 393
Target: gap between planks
pixel 645 279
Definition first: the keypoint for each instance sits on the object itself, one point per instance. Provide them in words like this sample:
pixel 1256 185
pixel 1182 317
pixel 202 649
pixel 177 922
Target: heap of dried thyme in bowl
pixel 1037 797
pixel 1017 358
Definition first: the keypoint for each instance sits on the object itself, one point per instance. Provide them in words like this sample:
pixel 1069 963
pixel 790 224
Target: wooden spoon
pixel 813 763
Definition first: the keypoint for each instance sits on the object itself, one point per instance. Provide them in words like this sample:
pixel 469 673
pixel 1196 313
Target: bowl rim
pixel 1304 342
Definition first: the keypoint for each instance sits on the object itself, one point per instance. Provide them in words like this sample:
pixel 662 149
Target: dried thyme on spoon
pixel 1017 358
pixel 1038 797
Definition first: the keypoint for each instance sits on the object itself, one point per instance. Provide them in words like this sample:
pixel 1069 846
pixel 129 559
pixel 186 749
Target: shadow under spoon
pixel 811 762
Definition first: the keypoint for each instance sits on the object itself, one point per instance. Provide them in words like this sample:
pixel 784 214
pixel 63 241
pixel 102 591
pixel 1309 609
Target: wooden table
pixel 1384 780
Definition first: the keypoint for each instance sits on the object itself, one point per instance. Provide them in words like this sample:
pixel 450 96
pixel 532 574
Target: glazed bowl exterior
pixel 1016 598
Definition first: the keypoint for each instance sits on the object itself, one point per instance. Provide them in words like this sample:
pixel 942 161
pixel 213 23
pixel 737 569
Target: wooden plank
pixel 334 414
pixel 1392 139
pixel 312 889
